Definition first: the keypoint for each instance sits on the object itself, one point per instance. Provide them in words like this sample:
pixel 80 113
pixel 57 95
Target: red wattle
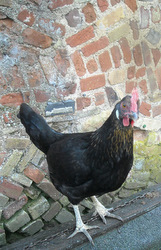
pixel 126 121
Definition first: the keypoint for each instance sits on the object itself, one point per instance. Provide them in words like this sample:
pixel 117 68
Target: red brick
pixel 93 47
pixel 140 72
pixel 131 72
pixel 35 78
pixel 126 50
pixel 135 29
pixel 131 4
pixel 15 206
pixel 92 66
pixel 53 4
pixel 92 82
pixel 5 118
pixel 34 174
pixel 52 28
pixel 105 61
pixel 83 102
pixel 62 61
pixel 8 118
pixel 114 2
pixel 156 55
pixel 116 55
pixel 129 86
pixel 78 63
pixel 26 17
pixel 31 55
pixel 12 99
pixel 69 88
pixel 102 4
pixel 54 209
pixel 58 28
pixel 10 189
pixel 145 108
pixel 100 99
pixel 3 82
pixel 89 13
pixel 146 53
pixel 143 86
pixel 41 96
pixel 137 55
pixel 156 110
pixel 158 76
pixel 47 187
pixel 2 157
pixel 6 24
pixel 81 37
pixel 37 39
pixel 15 78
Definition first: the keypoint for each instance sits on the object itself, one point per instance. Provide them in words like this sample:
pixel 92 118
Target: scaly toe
pixel 83 229
pixel 113 215
pixel 102 211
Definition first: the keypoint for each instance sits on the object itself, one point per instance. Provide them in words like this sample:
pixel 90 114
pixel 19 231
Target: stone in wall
pixel 17 221
pixel 32 227
pixel 38 207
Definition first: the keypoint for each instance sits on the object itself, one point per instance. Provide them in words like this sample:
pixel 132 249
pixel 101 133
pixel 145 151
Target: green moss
pixel 158 178
pixel 135 185
pixel 139 163
pixel 141 149
pixel 141 176
pixel 147 159
pixel 153 162
pixel 126 193
pixel 156 175
pixel 152 138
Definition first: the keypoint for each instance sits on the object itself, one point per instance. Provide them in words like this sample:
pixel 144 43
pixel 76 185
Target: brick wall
pixel 72 60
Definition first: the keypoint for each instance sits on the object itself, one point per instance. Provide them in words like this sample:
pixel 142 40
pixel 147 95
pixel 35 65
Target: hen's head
pixel 127 110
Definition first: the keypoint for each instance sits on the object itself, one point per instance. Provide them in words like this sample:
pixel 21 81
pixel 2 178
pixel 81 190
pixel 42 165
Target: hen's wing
pixel 69 167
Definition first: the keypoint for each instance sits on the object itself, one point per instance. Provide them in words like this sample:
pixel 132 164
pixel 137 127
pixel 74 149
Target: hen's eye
pixel 123 105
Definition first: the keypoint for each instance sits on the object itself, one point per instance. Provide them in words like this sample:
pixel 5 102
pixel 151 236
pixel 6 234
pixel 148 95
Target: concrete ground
pixel 141 228
pixel 144 232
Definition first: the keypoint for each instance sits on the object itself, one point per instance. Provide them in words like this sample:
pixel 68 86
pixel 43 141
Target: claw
pixel 102 211
pixel 81 227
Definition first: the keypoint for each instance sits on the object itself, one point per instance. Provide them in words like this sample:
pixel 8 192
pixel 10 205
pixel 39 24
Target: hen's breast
pixel 112 160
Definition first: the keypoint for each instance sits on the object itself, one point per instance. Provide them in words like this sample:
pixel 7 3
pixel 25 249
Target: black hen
pixel 87 164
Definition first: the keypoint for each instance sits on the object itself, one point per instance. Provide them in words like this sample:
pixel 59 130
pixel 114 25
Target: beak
pixel 133 116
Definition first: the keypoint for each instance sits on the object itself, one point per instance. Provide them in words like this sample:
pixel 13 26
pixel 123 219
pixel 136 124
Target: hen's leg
pixel 80 226
pixel 102 211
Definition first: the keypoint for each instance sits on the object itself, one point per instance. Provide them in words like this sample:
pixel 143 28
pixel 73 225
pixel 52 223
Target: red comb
pixel 134 99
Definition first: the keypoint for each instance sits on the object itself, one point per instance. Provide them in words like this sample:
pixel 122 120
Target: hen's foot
pixel 102 211
pixel 81 227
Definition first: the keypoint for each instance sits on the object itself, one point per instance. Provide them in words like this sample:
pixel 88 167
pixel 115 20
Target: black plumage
pixel 86 164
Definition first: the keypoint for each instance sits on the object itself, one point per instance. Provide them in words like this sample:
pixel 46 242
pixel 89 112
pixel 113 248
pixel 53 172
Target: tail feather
pixel 36 127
